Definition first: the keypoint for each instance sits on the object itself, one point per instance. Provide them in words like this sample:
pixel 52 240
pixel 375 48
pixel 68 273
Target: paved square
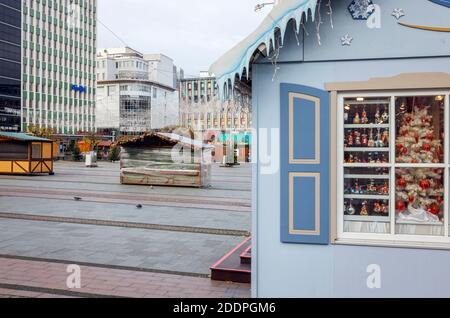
pixel 179 232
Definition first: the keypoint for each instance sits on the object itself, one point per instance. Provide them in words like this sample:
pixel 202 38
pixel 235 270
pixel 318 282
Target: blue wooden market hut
pixel 351 181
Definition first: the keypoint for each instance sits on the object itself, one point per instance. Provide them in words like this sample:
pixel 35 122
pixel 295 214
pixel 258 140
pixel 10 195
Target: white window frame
pixel 392 238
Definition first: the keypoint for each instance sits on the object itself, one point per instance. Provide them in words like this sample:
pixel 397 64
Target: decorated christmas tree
pixel 416 141
pixel 420 191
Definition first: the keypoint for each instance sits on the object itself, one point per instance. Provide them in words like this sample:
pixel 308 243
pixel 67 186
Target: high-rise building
pixel 58 64
pixel 135 92
pixel 10 57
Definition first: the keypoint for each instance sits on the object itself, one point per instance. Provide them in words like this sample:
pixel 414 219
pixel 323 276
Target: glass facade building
pixel 10 62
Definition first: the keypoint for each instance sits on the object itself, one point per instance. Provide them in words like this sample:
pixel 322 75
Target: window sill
pixel 393 244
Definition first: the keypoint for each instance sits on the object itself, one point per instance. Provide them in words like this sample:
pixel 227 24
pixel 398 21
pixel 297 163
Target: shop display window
pixel 394 167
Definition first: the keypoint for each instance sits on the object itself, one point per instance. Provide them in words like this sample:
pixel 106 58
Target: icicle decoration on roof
pixel 239 58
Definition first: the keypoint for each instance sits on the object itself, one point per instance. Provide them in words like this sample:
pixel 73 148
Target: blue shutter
pixel 305 166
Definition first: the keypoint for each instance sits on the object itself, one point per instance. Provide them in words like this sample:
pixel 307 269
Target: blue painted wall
pixel 286 270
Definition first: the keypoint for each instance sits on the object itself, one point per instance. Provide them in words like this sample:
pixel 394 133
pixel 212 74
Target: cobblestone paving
pixel 226 206
pixel 36 279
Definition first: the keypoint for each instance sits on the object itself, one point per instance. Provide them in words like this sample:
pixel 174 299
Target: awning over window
pixel 239 58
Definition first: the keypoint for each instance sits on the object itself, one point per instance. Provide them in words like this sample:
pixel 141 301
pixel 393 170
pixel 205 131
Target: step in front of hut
pixel 235 266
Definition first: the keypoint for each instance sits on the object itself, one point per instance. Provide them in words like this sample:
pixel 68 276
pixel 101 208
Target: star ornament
pixel 398 13
pixel 346 40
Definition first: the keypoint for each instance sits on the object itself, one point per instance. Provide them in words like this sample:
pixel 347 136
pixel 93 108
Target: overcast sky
pixel 192 32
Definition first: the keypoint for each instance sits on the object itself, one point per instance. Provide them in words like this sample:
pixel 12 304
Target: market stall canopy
pixel 160 138
pixel 21 137
pixel 240 57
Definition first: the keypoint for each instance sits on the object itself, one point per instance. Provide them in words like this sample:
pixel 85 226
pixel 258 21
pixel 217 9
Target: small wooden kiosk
pixel 23 154
pixel 149 160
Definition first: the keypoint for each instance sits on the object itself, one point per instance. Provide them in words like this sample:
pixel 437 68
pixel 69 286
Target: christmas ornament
pixel 384 208
pixel 356 188
pixel 426 147
pixel 357 119
pixel 371 141
pixel 385 188
pixel 385 117
pixel 398 13
pixel 357 138
pixel 430 137
pixel 378 117
pixel 350 139
pixel 364 140
pixel 364 209
pixel 351 210
pixel 412 199
pixel 435 209
pixel 377 207
pixel 379 141
pixel 402 183
pixel 385 138
pixel 425 184
pixel 361 9
pixel 346 40
pixel 400 206
pixel 439 200
pixel 371 188
pixel 364 119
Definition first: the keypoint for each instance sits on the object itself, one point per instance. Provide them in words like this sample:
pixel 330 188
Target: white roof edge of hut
pixel 174 138
pixel 239 58
pixel 185 140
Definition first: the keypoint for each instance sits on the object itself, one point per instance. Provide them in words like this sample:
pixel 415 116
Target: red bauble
pixel 439 200
pixel 430 137
pixel 402 183
pixel 405 151
pixel 424 184
pixel 411 199
pixel 435 209
pixel 399 147
pixel 400 206
pixel 426 147
pixel 408 119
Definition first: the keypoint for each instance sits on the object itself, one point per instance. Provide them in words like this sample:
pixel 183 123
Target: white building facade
pixel 135 92
pixel 58 65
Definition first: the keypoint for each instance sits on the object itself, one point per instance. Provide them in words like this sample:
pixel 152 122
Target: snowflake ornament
pixel 398 13
pixel 361 9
